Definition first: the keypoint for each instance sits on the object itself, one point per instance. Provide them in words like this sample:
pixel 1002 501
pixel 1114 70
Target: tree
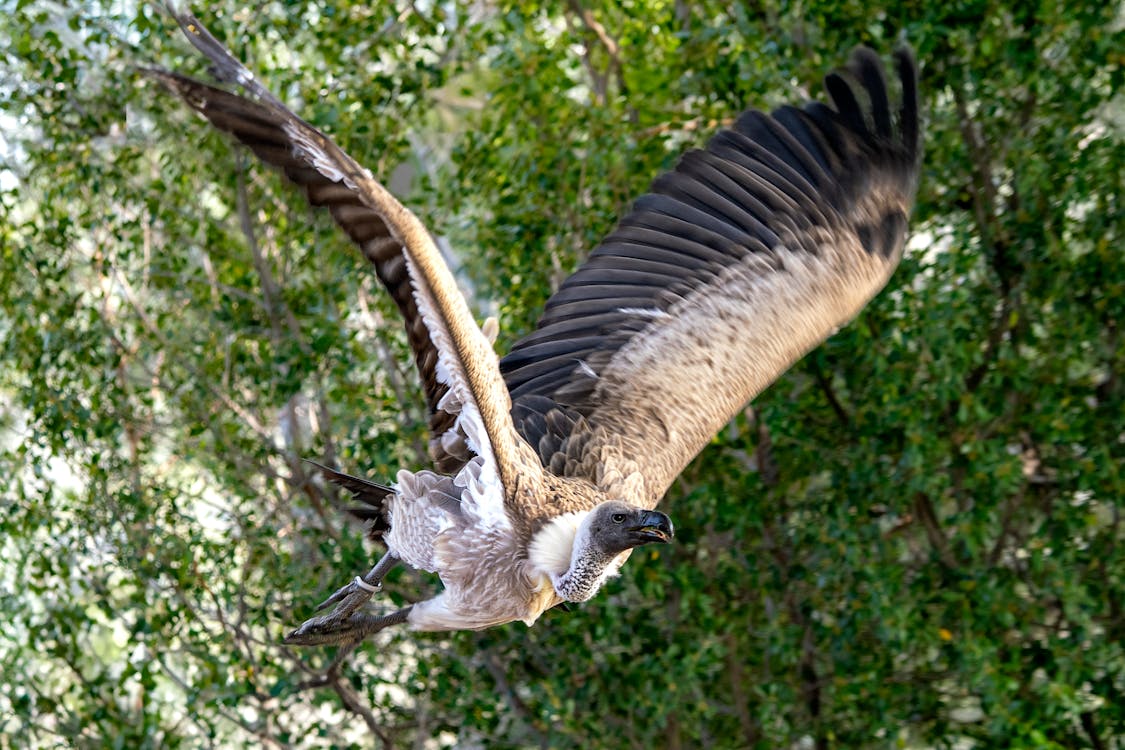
pixel 913 538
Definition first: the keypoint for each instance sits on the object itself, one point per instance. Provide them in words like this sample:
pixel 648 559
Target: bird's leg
pixel 342 624
pixel 329 630
pixel 370 583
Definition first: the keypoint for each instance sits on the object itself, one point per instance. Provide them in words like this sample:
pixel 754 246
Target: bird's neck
pixel 589 569
pixel 562 552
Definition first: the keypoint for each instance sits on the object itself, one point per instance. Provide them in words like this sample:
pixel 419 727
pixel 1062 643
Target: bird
pixel 549 463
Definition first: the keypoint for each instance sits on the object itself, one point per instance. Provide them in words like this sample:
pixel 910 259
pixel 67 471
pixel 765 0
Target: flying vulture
pixel 551 461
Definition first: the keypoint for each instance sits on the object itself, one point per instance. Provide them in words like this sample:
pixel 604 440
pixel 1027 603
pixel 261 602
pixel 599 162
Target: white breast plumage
pixel 552 546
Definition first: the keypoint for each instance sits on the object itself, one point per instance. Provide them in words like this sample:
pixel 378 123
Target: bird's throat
pixel 588 571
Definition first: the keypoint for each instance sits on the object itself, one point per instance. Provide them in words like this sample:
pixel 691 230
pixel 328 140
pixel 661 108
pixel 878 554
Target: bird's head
pixel 615 526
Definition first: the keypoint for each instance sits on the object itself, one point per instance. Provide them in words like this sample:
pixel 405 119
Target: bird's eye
pixel 618 517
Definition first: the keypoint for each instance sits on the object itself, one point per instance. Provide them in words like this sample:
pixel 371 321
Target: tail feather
pixel 372 495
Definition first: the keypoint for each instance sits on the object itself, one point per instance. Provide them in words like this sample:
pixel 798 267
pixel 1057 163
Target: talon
pixel 327 630
pixel 310 634
pixel 340 594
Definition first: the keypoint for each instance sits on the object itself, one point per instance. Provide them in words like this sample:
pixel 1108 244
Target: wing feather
pixel 746 256
pixel 460 374
pixel 257 127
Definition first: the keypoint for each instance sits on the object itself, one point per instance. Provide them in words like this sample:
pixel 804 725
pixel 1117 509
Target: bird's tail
pixel 373 496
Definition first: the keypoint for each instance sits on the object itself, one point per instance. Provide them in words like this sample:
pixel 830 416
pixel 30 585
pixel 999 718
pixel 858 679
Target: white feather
pixel 645 312
pixel 484 495
pixel 552 547
pixel 419 516
pixel 586 370
pixel 305 147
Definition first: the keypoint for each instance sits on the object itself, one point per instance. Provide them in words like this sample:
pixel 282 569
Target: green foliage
pixel 913 540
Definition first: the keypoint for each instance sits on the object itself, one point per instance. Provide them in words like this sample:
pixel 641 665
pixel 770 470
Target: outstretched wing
pixel 465 390
pixel 746 256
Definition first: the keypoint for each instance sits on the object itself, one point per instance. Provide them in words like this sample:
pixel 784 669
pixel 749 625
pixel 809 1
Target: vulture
pixel 549 462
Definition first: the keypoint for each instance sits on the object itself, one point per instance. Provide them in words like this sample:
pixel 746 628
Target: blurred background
pixel 914 539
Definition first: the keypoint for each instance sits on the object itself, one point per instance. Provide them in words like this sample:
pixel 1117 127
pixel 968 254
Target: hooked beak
pixel 654 526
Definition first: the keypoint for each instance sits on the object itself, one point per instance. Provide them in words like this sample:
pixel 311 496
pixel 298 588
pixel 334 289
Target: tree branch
pixel 1088 726
pixel 612 50
pixel 751 731
pixel 514 701
pixel 985 205
pixel 768 470
pixel 810 685
pixel 924 510
pixel 825 384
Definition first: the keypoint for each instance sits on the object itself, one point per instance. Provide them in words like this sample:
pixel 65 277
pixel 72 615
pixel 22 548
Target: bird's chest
pixel 488 582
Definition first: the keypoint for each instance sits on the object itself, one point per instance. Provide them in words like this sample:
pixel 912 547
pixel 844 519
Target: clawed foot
pixel 344 625
pixel 330 629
